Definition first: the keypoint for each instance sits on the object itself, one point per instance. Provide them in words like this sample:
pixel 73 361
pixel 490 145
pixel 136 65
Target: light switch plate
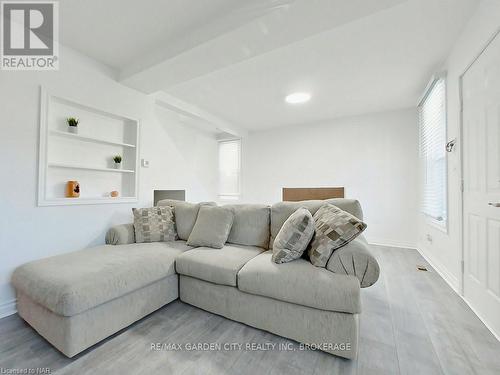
pixel 145 163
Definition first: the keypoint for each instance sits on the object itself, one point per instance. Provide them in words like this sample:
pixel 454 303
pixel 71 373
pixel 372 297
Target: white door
pixel 481 141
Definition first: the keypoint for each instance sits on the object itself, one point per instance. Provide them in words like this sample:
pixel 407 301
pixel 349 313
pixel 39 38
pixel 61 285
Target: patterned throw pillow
pixel 293 237
pixel 154 224
pixel 334 229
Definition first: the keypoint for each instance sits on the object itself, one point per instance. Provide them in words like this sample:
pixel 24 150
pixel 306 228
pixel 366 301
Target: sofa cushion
pixel 185 214
pixel 250 225
pixel 334 228
pixel 219 266
pixel 282 211
pixel 154 224
pixel 355 259
pixel 71 283
pixel 294 237
pixel 212 227
pixel 301 283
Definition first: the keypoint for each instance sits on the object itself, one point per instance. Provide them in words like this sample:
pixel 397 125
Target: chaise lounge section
pixel 77 299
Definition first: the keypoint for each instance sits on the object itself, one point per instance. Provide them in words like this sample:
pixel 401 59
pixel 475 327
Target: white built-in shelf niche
pixel 86 157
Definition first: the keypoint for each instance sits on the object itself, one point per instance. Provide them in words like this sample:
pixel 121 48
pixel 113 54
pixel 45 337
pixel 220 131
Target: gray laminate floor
pixel 412 323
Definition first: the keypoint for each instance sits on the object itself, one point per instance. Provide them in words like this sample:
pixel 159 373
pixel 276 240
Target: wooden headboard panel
pixel 305 194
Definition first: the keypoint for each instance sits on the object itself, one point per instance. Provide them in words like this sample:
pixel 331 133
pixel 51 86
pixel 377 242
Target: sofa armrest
pixel 120 234
pixel 355 259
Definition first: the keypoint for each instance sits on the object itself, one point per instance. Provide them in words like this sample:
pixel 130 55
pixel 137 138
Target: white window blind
pixel 229 169
pixel 432 119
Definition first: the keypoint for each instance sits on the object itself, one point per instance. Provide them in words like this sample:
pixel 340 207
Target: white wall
pixel 372 156
pixel 180 158
pixel 444 251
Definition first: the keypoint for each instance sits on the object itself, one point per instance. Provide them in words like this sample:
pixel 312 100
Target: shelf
pixel 74 166
pixel 89 139
pixel 89 200
pixel 86 157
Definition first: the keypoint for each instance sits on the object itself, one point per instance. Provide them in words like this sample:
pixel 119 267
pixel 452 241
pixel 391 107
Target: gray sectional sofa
pixel 77 299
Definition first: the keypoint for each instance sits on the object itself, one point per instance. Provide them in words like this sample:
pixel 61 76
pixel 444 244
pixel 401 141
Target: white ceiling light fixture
pixel 298 97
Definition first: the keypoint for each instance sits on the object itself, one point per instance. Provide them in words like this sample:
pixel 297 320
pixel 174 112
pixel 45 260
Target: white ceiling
pixel 238 59
pixel 119 32
pixel 126 34
pixel 377 63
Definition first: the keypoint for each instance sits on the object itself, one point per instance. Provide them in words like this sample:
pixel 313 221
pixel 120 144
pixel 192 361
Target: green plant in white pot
pixel 118 161
pixel 72 125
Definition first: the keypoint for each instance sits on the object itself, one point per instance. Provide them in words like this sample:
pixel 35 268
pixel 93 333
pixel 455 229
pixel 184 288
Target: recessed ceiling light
pixel 298 97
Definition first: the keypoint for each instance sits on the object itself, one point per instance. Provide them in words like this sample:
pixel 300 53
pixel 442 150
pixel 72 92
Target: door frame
pixel 462 181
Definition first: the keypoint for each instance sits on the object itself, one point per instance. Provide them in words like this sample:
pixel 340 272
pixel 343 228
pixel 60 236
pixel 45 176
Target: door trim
pixel 462 161
pixel 461 156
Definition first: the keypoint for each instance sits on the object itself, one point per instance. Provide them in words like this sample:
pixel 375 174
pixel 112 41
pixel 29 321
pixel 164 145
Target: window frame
pixel 443 225
pixel 229 197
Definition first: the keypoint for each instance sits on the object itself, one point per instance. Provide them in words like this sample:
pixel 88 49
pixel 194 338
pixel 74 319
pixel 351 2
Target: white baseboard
pixel 496 334
pixel 450 279
pixel 454 284
pixel 8 308
pixel 391 243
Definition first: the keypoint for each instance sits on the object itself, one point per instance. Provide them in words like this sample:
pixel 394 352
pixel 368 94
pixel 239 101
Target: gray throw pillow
pixel 334 229
pixel 212 227
pixel 293 237
pixel 154 224
pixel 250 225
pixel 185 215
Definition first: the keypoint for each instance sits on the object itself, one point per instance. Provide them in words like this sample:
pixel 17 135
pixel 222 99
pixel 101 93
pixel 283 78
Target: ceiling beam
pixel 195 116
pixel 257 31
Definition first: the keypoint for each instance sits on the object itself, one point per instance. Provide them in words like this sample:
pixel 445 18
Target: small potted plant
pixel 118 161
pixel 72 125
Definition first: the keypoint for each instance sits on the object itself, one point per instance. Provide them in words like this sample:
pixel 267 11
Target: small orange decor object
pixel 114 194
pixel 72 189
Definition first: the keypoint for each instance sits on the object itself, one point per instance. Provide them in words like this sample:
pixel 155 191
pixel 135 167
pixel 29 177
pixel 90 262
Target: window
pixel 229 169
pixel 432 121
